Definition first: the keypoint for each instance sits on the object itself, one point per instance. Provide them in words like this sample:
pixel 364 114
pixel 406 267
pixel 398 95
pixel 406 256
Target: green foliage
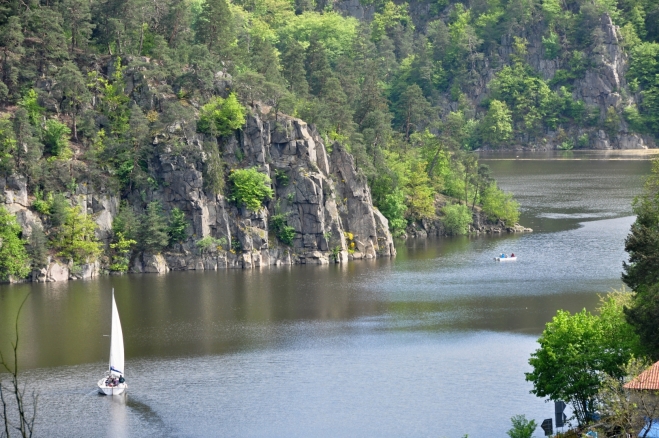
pixel 14 259
pixel 221 116
pixel 59 209
pixel 125 222
pixel 178 226
pixel 457 218
pixel 213 170
pixel 152 229
pixel 7 145
pixel 75 239
pixel 576 350
pixel 522 428
pixel 56 137
pixel 210 243
pixel 250 188
pixel 30 103
pixel 642 243
pixel 497 124
pixel 121 249
pixel 37 248
pixel 393 207
pixel 500 205
pixel 283 231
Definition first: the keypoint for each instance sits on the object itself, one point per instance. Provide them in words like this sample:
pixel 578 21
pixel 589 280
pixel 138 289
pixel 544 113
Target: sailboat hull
pixel 111 390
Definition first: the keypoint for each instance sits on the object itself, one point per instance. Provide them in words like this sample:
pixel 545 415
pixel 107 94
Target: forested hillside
pixel 92 90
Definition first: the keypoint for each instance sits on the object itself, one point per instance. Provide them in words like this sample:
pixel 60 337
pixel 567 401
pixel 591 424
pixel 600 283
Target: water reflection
pixel 390 347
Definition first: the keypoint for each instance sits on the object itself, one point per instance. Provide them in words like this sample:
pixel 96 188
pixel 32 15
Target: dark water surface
pixel 432 343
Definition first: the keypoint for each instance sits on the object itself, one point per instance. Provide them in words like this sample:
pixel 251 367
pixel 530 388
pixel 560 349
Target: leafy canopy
pixel 250 188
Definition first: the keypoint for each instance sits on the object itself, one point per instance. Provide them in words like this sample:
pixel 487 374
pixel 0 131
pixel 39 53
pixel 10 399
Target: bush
pixel 208 243
pixel 14 259
pixel 284 232
pixel 221 116
pixel 250 187
pixel 500 205
pixel 522 428
pixel 55 137
pixel 393 208
pixel 177 226
pixel 457 218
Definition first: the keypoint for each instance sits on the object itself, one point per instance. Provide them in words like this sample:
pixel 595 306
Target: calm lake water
pixel 432 343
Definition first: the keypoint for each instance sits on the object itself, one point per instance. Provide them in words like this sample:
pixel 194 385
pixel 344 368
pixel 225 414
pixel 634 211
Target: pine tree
pixel 178 226
pixel 293 68
pixel 215 28
pixel 37 249
pixel 11 46
pixel 152 231
pixel 75 93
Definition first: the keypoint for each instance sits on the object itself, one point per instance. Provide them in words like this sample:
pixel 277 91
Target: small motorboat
pixel 114 383
pixel 505 259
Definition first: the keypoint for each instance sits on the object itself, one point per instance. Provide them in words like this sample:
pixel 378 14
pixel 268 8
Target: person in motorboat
pixel 512 255
pixel 503 255
pixel 121 379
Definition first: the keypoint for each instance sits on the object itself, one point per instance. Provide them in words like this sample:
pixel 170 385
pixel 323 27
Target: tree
pixel 577 350
pixel 152 229
pixel 77 18
pixel 420 196
pixel 497 124
pixel 215 28
pixel 413 110
pixel 14 260
pixel 11 44
pixel 250 188
pixel 642 243
pixel 457 218
pixel 293 69
pixel 178 226
pixel 76 239
pixel 37 249
pixel 75 93
pixel 522 428
pixel 7 145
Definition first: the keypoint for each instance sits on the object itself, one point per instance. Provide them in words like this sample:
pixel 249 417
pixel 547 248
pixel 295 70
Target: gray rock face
pixel 307 195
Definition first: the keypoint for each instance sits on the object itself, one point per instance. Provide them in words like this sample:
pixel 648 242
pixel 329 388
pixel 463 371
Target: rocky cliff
pixel 322 196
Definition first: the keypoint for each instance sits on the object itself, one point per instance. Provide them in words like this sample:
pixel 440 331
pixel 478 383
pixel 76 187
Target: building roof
pixel 648 379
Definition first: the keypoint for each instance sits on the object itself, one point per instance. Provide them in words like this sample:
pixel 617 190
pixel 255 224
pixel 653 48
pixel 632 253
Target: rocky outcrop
pixel 322 197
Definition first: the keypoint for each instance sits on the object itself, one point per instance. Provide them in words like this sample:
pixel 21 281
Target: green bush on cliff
pixel 221 116
pixel 250 188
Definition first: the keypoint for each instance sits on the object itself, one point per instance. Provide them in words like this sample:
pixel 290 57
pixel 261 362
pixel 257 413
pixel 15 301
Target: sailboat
pixel 114 383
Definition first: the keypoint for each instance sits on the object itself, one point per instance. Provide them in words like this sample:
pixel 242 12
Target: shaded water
pixel 432 343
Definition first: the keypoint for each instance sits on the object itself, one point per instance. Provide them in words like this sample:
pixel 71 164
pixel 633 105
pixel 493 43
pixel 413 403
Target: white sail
pixel 116 342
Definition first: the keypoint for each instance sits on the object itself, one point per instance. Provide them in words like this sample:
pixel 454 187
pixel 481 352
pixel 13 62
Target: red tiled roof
pixel 648 379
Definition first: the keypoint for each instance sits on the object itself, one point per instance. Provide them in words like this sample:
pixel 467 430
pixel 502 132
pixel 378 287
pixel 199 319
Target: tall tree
pixel 215 28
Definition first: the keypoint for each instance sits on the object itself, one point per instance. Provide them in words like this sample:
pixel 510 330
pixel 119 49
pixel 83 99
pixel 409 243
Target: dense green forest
pixel 411 90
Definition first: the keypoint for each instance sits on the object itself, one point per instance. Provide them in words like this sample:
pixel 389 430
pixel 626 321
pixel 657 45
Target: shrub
pixel 522 428
pixel 221 116
pixel 55 137
pixel 250 187
pixel 14 259
pixel 283 231
pixel 393 208
pixel 457 218
pixel 208 242
pixel 177 226
pixel 500 205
